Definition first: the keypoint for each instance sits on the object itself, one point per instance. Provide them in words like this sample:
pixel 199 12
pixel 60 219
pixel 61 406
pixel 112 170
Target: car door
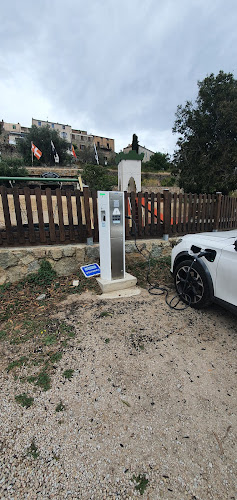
pixel 226 276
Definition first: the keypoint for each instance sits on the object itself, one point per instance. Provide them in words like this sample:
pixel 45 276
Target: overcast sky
pixel 112 67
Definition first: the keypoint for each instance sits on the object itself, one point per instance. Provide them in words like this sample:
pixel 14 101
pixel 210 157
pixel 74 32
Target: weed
pixel 55 357
pixel 68 374
pixel 44 276
pixel 66 330
pixel 125 403
pixel 60 407
pixel 104 314
pixel 3 334
pixel 50 339
pixel 107 341
pixel 142 483
pixel 31 379
pixel 16 363
pixel 24 400
pixel 141 346
pixel 33 450
pixel 43 380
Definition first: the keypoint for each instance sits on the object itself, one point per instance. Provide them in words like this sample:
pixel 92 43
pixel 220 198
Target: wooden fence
pixel 35 216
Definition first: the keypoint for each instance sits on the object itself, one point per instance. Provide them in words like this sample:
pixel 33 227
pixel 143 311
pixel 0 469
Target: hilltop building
pixel 141 149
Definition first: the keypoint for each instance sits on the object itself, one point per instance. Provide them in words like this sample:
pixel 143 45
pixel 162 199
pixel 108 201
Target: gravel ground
pixel 152 397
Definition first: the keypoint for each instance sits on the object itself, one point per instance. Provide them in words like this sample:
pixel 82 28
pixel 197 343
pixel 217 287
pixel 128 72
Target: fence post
pixel 217 211
pixel 166 214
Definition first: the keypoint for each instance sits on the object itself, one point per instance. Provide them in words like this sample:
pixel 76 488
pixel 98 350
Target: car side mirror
pixel 235 245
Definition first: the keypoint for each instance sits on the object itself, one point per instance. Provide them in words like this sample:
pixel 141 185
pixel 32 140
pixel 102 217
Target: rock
pixel 41 297
pixel 27 259
pixel 66 266
pixel 92 252
pixel 8 259
pixel 33 266
pixel 80 255
pixel 156 251
pixel 69 251
pixel 56 253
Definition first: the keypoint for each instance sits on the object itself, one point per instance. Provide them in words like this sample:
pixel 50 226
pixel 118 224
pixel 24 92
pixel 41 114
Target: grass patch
pixel 50 339
pixel 142 483
pixel 60 407
pixel 43 380
pixel 68 374
pixel 17 363
pixel 55 357
pixel 24 400
pixel 105 314
pixel 33 450
pixel 107 341
pixel 44 276
pixel 3 334
pixel 159 270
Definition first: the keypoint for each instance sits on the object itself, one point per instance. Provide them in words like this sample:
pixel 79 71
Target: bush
pixel 97 178
pixel 12 167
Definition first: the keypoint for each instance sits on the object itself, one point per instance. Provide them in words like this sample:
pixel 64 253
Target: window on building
pixel 89 139
pixel 82 138
pixel 64 135
pixel 14 127
pixel 63 127
pixel 82 146
pixel 108 145
pixel 52 125
pixel 73 136
pixel 39 124
pixel 98 144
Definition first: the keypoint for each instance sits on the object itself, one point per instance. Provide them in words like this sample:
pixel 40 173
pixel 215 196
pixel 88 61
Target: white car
pixel 204 267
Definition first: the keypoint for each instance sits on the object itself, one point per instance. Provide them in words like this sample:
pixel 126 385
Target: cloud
pixel 113 68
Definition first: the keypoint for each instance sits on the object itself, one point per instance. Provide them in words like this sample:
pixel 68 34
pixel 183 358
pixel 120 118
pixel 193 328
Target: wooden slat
pixel 19 225
pixel 50 214
pixel 133 207
pixel 62 235
pixel 167 211
pixel 95 215
pixel 190 210
pixel 140 228
pixel 175 213
pixel 158 224
pixel 204 204
pixel 70 216
pixel 146 215
pixel 180 213
pixel 152 214
pixel 194 209
pixel 6 213
pixel 29 215
pixel 199 212
pixel 185 214
pixel 38 195
pixel 87 212
pixel 127 225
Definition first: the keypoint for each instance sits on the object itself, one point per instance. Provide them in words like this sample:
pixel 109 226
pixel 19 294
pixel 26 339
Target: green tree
pixel 157 162
pixel 96 177
pixel 12 167
pixel 135 144
pixel 207 147
pixel 42 137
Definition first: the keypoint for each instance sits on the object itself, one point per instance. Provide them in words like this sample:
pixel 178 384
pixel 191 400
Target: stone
pixel 156 251
pixel 68 251
pixel 80 255
pixel 15 274
pixel 8 259
pixel 3 277
pixel 56 253
pixel 66 266
pixel 131 248
pixel 41 297
pixel 27 259
pixel 92 252
pixel 33 267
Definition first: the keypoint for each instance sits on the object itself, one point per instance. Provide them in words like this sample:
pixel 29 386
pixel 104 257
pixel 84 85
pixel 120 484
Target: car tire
pixel 192 284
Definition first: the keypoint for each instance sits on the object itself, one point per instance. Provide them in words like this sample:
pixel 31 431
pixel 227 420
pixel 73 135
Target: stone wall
pixel 17 263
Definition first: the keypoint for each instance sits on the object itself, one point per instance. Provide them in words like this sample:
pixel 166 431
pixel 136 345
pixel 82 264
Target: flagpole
pixel 31 154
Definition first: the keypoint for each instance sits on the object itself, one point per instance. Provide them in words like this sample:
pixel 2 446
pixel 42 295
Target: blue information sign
pixel 91 270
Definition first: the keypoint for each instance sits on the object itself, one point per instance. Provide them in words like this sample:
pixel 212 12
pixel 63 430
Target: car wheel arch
pixel 182 256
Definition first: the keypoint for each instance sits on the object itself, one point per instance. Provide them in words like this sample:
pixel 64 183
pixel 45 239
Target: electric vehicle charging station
pixel 111 234
pixel 111 216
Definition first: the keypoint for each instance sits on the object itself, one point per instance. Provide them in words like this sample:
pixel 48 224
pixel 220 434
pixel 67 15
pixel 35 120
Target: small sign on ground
pixel 91 270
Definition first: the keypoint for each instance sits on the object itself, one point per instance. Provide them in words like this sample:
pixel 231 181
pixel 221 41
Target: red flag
pixel 73 152
pixel 36 151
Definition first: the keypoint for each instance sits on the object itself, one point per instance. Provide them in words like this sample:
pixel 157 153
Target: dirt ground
pixel 149 410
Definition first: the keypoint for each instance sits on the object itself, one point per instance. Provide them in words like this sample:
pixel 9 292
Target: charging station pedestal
pixel 111 215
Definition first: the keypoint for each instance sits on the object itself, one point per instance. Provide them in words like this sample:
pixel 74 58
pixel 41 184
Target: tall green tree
pixel 97 178
pixel 135 143
pixel 42 137
pixel 157 162
pixel 207 147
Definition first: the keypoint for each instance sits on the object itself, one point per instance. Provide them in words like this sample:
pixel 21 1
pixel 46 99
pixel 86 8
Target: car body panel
pixel 222 271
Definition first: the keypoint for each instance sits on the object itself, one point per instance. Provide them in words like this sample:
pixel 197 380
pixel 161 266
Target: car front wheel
pixel 191 284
